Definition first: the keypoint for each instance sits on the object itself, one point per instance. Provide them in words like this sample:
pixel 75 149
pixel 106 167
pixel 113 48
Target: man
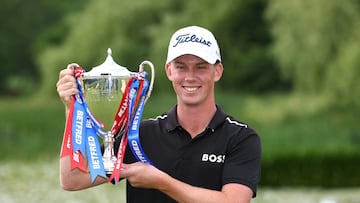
pixel 200 154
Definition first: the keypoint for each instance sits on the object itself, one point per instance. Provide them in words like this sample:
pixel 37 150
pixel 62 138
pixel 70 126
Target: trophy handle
pixel 141 69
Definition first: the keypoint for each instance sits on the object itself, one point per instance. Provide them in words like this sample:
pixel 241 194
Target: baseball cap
pixel 196 41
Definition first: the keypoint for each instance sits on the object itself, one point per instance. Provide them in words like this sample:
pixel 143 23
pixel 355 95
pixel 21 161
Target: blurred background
pixel 291 72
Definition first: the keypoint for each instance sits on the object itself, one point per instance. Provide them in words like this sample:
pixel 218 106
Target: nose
pixel 190 74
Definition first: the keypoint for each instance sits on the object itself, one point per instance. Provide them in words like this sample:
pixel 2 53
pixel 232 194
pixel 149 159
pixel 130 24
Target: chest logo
pixel 213 158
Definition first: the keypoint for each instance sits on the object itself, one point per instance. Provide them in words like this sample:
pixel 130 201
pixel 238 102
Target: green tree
pixel 317 44
pixel 246 41
pixel 22 22
pixel 124 26
pixel 139 30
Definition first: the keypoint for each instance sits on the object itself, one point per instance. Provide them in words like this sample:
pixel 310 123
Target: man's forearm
pixel 185 193
pixel 76 179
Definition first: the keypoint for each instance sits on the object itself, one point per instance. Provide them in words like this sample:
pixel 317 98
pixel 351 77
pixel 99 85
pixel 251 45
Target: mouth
pixel 191 89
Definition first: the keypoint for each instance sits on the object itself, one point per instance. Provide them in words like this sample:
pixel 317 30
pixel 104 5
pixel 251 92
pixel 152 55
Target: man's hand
pixel 142 175
pixel 66 85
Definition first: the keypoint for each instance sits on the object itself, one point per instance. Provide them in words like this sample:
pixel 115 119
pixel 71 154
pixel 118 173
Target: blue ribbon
pixel 86 129
pixel 79 123
pixel 93 152
pixel 133 136
pixel 98 127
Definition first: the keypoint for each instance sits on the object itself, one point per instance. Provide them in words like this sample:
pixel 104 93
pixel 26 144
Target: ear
pixel 168 71
pixel 218 71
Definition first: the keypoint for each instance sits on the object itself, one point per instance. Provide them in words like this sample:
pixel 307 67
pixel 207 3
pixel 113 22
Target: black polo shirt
pixel 228 151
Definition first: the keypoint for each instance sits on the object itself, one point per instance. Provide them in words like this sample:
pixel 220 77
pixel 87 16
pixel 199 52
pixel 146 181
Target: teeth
pixel 191 89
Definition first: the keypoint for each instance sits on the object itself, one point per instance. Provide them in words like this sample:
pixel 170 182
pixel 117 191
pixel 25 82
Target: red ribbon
pixel 67 147
pixel 122 119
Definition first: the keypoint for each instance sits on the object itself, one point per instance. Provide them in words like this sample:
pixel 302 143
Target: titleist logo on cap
pixel 193 38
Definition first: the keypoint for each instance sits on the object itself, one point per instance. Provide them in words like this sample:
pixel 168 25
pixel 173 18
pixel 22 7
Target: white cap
pixel 196 41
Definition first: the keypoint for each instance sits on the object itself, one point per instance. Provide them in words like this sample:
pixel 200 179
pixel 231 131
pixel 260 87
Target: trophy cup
pixel 104 87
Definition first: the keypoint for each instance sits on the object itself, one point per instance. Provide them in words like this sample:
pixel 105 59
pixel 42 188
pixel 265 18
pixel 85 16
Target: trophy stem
pixel 109 158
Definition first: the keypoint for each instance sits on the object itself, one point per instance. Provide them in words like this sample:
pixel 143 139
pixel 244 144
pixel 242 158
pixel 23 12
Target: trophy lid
pixel 108 68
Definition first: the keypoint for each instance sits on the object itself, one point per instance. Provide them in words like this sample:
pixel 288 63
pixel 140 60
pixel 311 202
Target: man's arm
pixel 183 192
pixel 76 179
pixel 146 176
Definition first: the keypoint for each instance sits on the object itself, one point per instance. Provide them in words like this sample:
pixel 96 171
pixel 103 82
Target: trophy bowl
pixel 104 87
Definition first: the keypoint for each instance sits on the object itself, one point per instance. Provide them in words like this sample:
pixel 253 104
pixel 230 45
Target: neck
pixel 195 119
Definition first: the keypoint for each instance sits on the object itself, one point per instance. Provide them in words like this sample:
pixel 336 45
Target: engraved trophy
pixel 104 87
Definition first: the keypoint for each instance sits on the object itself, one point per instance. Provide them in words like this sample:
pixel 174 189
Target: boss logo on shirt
pixel 213 158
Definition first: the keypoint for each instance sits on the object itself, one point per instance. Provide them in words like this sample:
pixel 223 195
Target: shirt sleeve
pixel 243 160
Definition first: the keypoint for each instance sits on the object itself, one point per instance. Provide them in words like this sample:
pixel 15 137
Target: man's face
pixel 193 79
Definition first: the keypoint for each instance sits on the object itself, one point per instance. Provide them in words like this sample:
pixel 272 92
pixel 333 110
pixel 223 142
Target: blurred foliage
pixel 139 30
pixel 267 46
pixel 22 24
pixel 317 44
pixel 245 40
pixel 312 171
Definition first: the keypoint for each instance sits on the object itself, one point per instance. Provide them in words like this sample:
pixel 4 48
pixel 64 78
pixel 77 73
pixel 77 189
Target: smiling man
pixel 200 154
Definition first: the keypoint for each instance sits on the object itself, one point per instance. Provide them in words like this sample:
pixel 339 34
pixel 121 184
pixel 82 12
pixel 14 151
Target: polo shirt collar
pixel 172 122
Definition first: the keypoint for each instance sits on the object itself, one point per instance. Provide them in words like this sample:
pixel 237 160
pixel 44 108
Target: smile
pixel 191 89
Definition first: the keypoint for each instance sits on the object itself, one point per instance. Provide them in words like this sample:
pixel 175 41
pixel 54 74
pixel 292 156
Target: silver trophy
pixel 104 86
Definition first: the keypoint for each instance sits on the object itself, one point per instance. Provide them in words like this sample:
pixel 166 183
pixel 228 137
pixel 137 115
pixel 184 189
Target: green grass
pixel 30 129
pixel 38 182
